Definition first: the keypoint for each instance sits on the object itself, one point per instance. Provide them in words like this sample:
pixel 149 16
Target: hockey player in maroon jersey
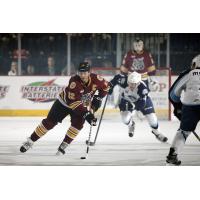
pixel 78 101
pixel 141 61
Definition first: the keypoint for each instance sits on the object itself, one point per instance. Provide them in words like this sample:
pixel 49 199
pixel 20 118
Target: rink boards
pixel 34 95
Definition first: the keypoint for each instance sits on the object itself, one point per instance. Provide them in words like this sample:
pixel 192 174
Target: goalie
pixel 140 60
pixel 135 96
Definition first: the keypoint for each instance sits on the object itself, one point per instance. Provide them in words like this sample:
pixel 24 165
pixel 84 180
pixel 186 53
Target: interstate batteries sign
pixel 34 95
pixel 41 91
pixel 22 93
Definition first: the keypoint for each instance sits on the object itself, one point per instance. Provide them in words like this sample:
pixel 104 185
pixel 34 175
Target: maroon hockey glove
pixel 96 103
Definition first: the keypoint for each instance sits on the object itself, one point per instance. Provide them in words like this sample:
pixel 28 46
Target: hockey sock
pixel 70 135
pixel 42 129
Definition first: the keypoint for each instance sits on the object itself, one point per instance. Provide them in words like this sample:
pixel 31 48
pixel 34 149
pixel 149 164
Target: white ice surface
pixel 113 146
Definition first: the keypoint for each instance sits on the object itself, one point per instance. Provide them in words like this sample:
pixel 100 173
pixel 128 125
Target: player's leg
pixel 189 120
pixel 152 119
pixel 76 126
pixel 56 114
pixel 153 123
pixel 126 110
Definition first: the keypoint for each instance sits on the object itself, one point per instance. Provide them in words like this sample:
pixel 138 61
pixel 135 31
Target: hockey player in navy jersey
pixel 134 96
pixel 187 109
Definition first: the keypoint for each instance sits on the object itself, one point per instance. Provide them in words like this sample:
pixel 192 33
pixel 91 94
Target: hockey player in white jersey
pixel 134 96
pixel 186 109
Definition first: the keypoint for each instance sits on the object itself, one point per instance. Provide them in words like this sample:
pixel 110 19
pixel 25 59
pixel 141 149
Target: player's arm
pixel 151 69
pixel 175 93
pixel 177 87
pixel 141 102
pixel 102 88
pixel 117 80
pixel 113 83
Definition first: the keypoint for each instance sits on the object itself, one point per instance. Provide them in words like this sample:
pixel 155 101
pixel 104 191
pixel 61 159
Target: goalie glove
pixel 96 103
pixel 90 118
pixel 153 83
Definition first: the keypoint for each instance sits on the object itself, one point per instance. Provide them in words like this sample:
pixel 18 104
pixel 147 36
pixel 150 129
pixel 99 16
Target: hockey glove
pixel 110 91
pixel 153 84
pixel 96 103
pixel 90 118
pixel 178 110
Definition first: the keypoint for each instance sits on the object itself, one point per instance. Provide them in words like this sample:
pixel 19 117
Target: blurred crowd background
pixel 59 54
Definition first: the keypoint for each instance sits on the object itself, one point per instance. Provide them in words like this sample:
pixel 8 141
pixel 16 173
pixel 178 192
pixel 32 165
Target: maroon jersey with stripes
pixel 78 95
pixel 142 63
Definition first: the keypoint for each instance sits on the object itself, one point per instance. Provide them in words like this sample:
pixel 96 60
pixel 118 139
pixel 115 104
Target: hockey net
pixel 159 94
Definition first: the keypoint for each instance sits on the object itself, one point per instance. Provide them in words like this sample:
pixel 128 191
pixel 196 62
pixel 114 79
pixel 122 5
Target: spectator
pixel 51 67
pixel 65 71
pixel 30 70
pixel 88 60
pixel 13 69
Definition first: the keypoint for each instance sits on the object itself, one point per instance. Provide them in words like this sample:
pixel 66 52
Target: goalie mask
pixel 196 62
pixel 134 80
pixel 138 45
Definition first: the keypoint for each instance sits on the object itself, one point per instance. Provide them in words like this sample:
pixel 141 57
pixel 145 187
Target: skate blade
pixel 58 153
pixel 170 164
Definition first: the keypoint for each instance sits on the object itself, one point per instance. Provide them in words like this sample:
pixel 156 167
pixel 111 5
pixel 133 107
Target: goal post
pixel 160 95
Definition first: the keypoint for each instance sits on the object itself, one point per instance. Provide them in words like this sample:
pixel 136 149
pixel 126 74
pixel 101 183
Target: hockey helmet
pixel 84 67
pixel 134 77
pixel 195 62
pixel 138 45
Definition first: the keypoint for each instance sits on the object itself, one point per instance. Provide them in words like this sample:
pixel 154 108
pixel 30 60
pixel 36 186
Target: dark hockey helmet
pixel 84 67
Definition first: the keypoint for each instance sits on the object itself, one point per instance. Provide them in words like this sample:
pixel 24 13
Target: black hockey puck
pixel 83 158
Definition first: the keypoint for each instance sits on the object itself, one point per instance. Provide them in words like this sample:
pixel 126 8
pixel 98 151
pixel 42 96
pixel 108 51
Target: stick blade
pixel 90 143
pixel 84 157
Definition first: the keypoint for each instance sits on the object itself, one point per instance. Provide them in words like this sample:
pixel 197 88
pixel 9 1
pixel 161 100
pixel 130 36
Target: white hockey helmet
pixel 138 45
pixel 134 77
pixel 196 62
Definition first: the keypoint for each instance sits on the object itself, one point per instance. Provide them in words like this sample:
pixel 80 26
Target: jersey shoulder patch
pixel 100 78
pixel 72 85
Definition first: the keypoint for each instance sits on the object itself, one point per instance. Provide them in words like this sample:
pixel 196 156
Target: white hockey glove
pixel 153 84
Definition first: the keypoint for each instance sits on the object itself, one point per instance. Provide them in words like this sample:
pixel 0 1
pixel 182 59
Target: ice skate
pixel 172 158
pixel 159 135
pixel 61 149
pixel 131 129
pixel 26 145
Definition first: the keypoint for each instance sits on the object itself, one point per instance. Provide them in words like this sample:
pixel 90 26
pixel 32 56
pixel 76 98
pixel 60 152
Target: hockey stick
pixel 88 146
pixel 93 143
pixel 195 134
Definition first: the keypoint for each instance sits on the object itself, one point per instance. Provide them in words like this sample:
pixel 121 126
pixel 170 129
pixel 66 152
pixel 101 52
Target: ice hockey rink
pixel 113 146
